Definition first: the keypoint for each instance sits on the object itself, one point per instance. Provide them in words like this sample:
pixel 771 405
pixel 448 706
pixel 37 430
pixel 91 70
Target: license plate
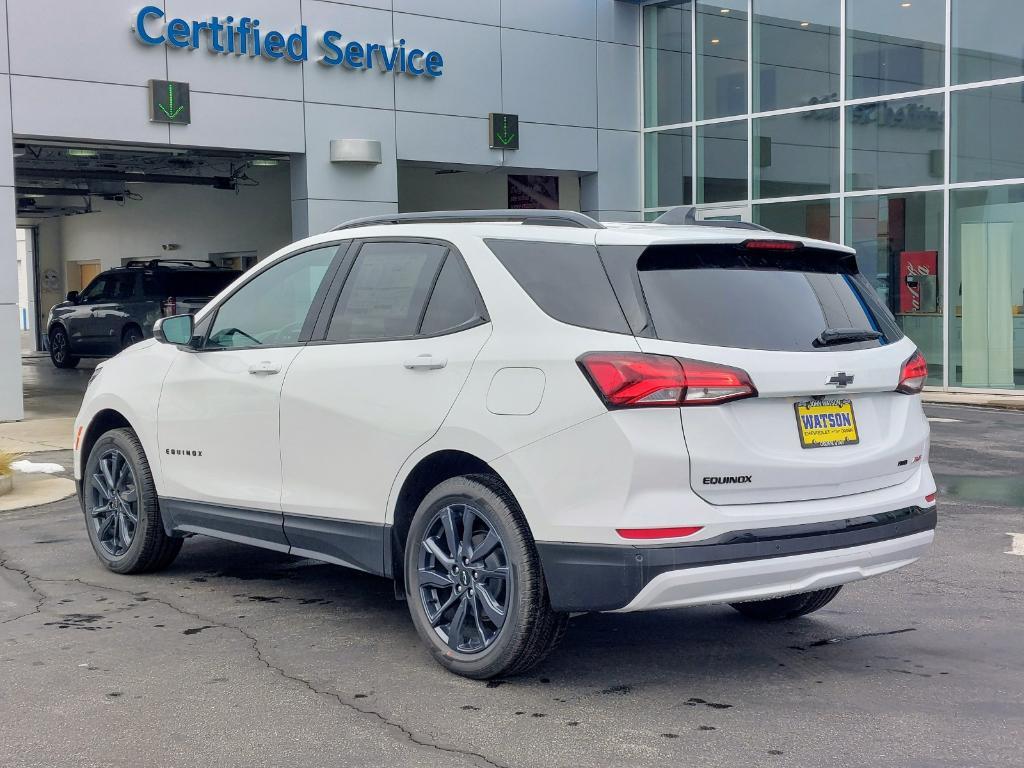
pixel 826 423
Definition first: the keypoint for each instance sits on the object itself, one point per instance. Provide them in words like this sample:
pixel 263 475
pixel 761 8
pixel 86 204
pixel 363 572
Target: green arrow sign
pixel 504 130
pixel 169 102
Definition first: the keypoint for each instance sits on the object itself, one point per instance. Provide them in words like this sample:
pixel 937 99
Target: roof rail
pixel 525 216
pixel 158 263
pixel 686 215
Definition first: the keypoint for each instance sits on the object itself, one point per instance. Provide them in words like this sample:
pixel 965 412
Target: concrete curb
pixel 1002 402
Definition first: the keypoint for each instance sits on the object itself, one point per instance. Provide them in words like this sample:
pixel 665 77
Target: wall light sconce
pixel 364 151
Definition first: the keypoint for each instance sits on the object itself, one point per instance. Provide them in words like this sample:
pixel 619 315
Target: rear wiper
pixel 831 336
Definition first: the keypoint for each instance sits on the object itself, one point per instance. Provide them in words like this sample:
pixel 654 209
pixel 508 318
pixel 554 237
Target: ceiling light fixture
pixel 805 23
pixel 82 153
pixel 715 41
pixel 724 10
pixel 264 162
pixel 905 5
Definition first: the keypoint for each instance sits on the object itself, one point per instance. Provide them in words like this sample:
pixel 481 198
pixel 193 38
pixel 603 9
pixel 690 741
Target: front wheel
pixel 122 513
pixel 473 578
pixel 60 349
pixel 789 607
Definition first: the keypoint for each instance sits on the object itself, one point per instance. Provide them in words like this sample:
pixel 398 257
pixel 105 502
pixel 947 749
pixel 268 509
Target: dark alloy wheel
pixel 60 349
pixel 465 584
pixel 122 511
pixel 132 335
pixel 474 581
pixel 112 498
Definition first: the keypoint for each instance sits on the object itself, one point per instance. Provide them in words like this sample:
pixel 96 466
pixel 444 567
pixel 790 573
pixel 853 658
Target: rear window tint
pixel 724 297
pixel 567 281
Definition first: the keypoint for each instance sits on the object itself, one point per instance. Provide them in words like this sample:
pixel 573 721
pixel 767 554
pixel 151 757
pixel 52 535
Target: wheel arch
pixel 131 324
pixel 430 471
pixel 102 421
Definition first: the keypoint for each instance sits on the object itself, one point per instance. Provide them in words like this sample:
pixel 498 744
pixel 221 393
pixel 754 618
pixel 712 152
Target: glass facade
pixel 893 129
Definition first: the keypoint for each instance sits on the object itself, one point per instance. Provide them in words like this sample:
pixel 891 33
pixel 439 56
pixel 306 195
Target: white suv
pixel 520 415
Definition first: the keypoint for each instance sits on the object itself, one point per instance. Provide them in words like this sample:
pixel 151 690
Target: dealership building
pixel 221 131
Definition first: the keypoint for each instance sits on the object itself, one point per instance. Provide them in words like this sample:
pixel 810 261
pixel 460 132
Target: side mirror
pixel 176 330
pixel 72 296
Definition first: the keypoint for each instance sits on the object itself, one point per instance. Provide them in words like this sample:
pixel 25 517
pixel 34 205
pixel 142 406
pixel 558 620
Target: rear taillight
pixel 913 375
pixel 634 379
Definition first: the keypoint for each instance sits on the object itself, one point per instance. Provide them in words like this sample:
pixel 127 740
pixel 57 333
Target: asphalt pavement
pixel 239 657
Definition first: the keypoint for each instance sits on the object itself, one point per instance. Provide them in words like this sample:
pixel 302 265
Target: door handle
pixel 266 368
pixel 426 362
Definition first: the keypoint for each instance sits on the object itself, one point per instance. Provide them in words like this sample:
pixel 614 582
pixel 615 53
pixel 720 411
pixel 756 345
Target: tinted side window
pixel 271 309
pixel 121 287
pixel 454 302
pixel 566 281
pixel 385 293
pixel 96 291
pixel 152 287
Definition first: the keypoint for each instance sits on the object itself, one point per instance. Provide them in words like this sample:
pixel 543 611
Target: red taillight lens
pixel 913 375
pixel 772 245
pixel 657 533
pixel 633 379
pixel 931 497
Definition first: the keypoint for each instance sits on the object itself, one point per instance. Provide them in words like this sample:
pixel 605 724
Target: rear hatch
pixel 822 351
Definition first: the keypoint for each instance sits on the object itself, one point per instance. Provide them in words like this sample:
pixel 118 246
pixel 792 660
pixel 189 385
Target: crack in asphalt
pixel 30 580
pixel 40 597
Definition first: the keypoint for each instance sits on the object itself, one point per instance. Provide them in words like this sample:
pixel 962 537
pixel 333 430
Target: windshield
pixel 806 301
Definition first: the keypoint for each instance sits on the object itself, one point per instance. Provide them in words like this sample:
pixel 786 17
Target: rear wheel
pixel 132 335
pixel 60 349
pixel 122 513
pixel 474 582
pixel 789 607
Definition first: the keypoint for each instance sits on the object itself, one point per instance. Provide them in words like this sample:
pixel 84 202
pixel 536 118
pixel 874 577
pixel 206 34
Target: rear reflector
pixel 931 497
pixel 634 379
pixel 772 245
pixel 913 375
pixel 657 533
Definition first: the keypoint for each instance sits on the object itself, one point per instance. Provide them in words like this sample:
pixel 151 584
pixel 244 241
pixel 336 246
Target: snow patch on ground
pixel 36 468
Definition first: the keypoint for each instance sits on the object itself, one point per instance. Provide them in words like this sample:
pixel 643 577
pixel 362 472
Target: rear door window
pixel 385 294
pixel 725 297
pixel 567 281
pixel 455 302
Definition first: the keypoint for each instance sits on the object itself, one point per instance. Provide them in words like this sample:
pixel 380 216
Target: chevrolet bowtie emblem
pixel 840 379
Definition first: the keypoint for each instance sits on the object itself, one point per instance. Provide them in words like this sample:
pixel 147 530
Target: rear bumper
pixel 737 566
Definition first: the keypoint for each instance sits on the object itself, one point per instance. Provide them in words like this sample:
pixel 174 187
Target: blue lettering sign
pixel 223 36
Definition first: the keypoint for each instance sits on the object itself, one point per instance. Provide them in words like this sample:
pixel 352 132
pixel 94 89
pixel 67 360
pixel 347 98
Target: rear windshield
pixel 193 283
pixel 810 300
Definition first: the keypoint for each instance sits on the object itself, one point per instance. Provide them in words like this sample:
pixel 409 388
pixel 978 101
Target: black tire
pixel 150 548
pixel 530 629
pixel 60 349
pixel 131 335
pixel 789 607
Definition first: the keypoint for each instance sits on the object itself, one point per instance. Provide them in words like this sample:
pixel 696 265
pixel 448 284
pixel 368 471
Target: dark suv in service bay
pixel 118 308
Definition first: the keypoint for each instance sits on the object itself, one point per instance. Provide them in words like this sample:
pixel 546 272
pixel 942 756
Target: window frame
pixel 330 304
pixel 343 248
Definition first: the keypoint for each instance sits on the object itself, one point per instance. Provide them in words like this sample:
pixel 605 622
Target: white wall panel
pixel 84 41
pixel 79 110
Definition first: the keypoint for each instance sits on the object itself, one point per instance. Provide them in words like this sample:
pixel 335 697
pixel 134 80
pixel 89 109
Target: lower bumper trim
pixel 596 577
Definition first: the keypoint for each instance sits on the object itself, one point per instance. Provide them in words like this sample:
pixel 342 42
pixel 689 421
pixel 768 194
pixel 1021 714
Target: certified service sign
pixel 245 36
